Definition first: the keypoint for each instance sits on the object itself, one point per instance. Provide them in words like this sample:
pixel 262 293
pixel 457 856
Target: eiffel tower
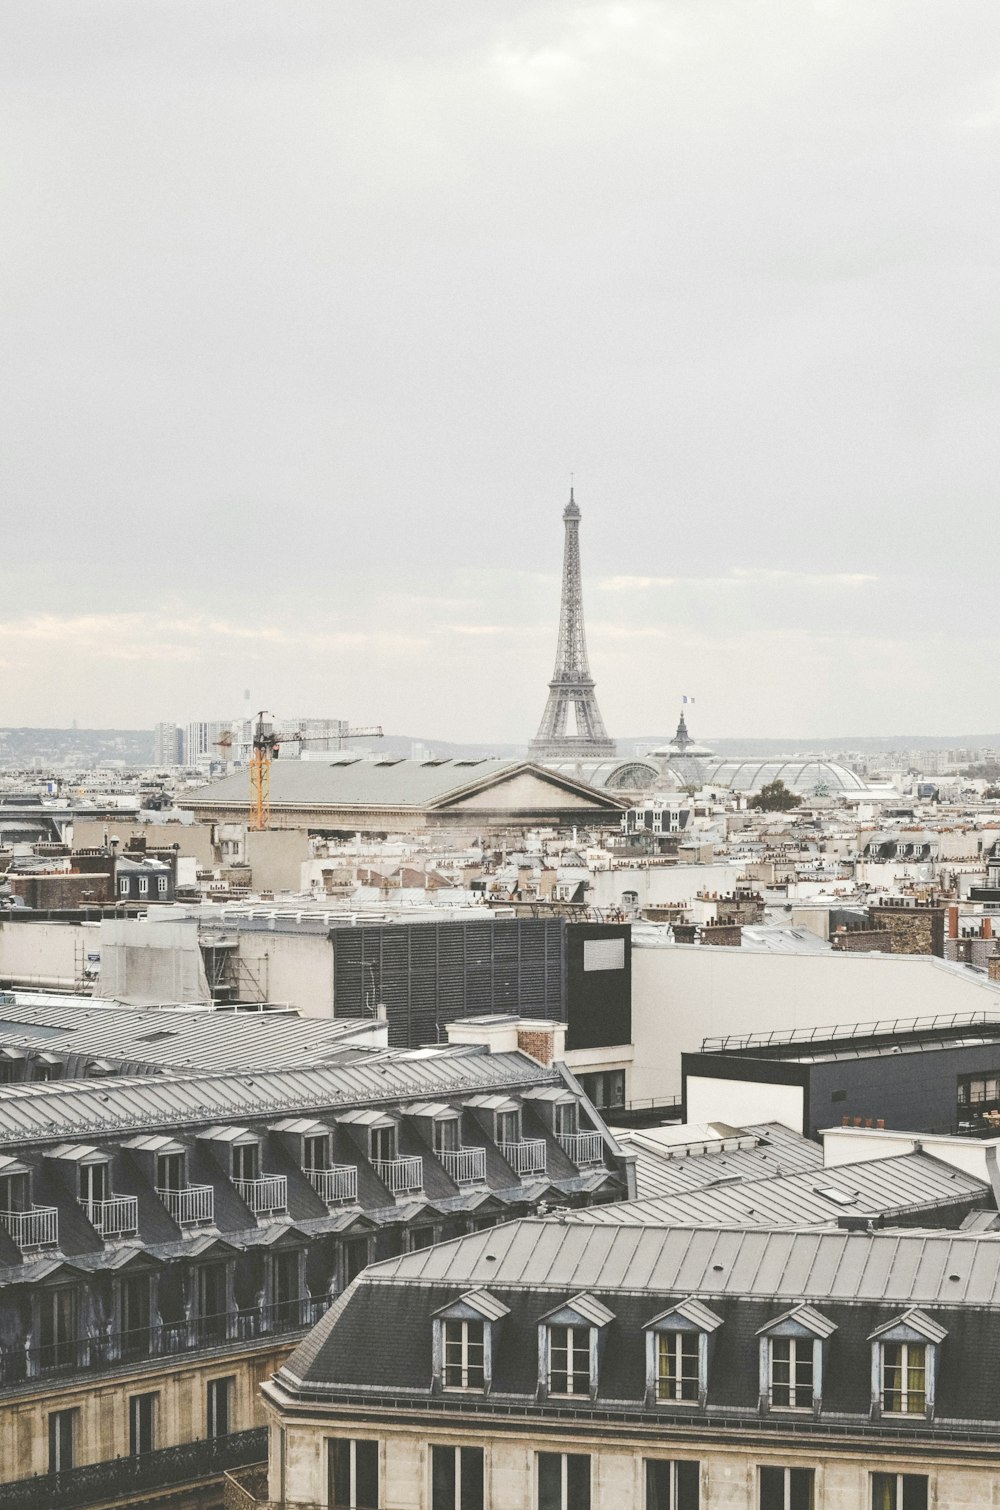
pixel 572 704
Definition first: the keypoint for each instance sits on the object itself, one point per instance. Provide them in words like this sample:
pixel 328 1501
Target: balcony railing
pixel 465 1165
pixel 115 1217
pixel 35 1228
pixel 400 1174
pixel 337 1184
pixel 190 1207
pixel 527 1156
pixel 123 1478
pixel 110 1350
pixel 266 1195
pixel 583 1147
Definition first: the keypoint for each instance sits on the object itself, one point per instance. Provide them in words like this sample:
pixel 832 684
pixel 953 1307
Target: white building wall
pixel 44 954
pixel 744 1102
pixel 683 993
pixel 657 885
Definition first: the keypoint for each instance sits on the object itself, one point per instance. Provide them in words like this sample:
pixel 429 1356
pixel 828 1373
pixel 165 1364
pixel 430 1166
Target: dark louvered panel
pixel 506 985
pixel 427 974
pixel 478 967
pixel 423 984
pixel 451 972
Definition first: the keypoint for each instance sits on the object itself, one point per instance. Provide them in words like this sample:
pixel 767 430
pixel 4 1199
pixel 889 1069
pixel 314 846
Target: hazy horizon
pixel 310 312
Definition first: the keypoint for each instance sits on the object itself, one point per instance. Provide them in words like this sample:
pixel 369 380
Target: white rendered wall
pixel 683 993
pixel 845 1145
pixel 741 1102
pixel 660 884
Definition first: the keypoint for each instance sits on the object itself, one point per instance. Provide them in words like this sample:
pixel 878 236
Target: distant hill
pixel 24 748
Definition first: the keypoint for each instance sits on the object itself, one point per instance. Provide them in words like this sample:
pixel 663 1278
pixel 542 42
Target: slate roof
pixel 353 782
pixel 902 1184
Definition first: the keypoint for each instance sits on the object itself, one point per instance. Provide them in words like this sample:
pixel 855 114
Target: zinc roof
pixel 942 1268
pixel 147 1038
pixel 354 782
pixel 778 1151
pixel 904 1182
pixel 52 1111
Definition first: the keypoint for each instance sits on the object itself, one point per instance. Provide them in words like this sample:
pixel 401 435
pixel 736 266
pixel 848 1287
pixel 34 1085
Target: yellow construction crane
pixel 266 746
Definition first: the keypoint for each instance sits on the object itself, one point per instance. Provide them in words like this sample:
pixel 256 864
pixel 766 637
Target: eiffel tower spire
pixel 571 689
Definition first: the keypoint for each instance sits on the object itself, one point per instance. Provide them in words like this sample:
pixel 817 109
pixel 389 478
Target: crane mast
pixel 266 746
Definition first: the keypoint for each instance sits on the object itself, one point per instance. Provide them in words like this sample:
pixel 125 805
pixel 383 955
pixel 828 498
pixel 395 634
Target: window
pixel 791 1375
pixel 563 1481
pixel 143 885
pixel 569 1360
pixel 509 1127
pixel 678 1375
pixel 446 1135
pixel 15 1193
pixel 57 1329
pixel 353 1474
pixel 133 1316
pixel 904 1378
pixel 786 1489
pixel 286 1287
pixel 899 1491
pixel 141 1424
pixel 385 1144
pixel 605 1089
pixel 566 1119
pixel 246 1161
pixel 212 1302
pixel 219 1406
pixel 464 1355
pixel 123 886
pixel 94 1183
pixel 355 1258
pixel 161 885
pixel 62 1432
pixel 316 1152
pixel 456 1478
pixel 170 1171
pixel 672 1485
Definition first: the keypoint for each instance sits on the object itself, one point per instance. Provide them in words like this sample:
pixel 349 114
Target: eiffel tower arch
pixel 571 724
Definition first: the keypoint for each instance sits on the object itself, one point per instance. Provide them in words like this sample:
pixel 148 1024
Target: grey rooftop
pixel 905 1268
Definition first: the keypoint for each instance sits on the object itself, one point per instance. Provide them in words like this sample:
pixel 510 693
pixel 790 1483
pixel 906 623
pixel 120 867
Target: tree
pixel 774 798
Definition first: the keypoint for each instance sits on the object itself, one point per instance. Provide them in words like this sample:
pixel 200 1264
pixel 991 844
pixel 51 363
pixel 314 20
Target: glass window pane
pixel 550 1481
pixel 688 1485
pixel 442 1478
pixel 577 1481
pixel 340 1472
pixel 914 1491
pixel 366 1475
pixel 884 1491
pixel 772 1489
pixel 472 1478
pixel 657 1484
pixel 800 1489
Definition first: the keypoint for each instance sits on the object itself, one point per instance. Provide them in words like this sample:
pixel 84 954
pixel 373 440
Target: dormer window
pixel 465 1334
pixel 170 1171
pixel 508 1127
pixel 569 1360
pixel 246 1161
pixel 569 1348
pixel 316 1152
pixel 678 1345
pixel 792 1354
pixel 904 1364
pixel 566 1119
pixel 446 1139
pixel 383 1143
pixel 464 1355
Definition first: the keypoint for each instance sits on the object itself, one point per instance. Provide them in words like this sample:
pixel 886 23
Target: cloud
pixel 741 577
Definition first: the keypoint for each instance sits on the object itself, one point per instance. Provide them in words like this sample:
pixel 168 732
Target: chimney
pixel 953 922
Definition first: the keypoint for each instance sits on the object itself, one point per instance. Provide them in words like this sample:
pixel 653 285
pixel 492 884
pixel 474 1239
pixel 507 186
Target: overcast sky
pixel 311 309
